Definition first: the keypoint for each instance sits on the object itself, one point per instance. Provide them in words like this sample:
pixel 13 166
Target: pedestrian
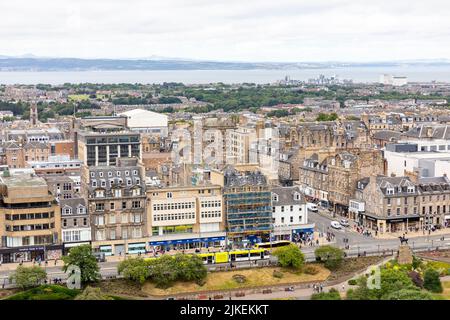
pixel 343 287
pixel 321 287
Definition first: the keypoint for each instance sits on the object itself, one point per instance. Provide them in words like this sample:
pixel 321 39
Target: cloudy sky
pixel 230 30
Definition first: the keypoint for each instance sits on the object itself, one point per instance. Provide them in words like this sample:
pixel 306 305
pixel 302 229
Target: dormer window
pixel 99 193
pixel 275 197
pixel 390 191
pixel 67 210
pixel 296 196
pixel 94 183
pixel 411 189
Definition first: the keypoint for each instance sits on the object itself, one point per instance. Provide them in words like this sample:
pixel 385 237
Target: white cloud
pixel 252 30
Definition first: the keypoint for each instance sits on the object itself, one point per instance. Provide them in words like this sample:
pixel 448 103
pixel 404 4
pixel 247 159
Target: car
pixel 344 223
pixel 336 225
pixel 312 207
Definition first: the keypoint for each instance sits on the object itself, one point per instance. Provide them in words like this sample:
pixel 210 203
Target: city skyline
pixel 288 31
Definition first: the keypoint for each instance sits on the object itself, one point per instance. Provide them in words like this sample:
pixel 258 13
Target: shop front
pixel 31 253
pixel 185 244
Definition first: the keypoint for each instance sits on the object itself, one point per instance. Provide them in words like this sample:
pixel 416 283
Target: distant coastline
pixel 75 64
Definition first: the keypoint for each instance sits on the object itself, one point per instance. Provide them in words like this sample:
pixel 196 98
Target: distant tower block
pixel 33 114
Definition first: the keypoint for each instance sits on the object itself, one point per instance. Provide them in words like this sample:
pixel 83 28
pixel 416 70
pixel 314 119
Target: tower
pixel 33 114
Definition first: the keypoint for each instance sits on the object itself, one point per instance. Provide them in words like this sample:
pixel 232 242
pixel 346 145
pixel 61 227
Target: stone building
pixel 402 204
pixel 116 203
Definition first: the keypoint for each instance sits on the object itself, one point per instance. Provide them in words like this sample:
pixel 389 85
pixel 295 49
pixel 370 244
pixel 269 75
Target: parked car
pixel 336 225
pixel 344 223
pixel 312 207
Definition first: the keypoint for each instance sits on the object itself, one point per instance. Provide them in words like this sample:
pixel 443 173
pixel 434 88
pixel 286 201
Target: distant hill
pixel 32 63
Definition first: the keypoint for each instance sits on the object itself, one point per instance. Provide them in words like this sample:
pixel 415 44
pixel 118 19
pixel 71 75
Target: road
pixel 358 243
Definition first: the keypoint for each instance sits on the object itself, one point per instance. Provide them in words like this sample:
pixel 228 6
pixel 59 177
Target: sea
pixel 259 76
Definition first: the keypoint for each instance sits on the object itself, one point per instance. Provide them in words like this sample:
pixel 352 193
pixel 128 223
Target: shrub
pixel 332 257
pixel 409 294
pixel 352 282
pixel 135 269
pixel 92 294
pixel 46 292
pixel 277 274
pixel 310 269
pixel 28 277
pixel 290 256
pixel 416 279
pixel 431 281
pixel 333 294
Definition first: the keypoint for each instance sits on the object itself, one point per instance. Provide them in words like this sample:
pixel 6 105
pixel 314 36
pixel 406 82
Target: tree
pixel 190 268
pixel 91 293
pixel 408 294
pixel 393 280
pixel 135 269
pixel 431 281
pixel 333 294
pixel 290 256
pixel 163 271
pixel 28 277
pixel 82 257
pixel 327 117
pixel 416 279
pixel 332 257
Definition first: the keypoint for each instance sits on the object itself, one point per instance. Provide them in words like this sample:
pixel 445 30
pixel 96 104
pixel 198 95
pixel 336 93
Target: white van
pixel 312 206
pixel 336 225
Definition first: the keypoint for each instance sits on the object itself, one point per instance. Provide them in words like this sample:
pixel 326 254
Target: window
pixel 282 219
pixel 99 207
pixel 135 172
pixel 169 194
pixel 64 222
pixel 292 208
pixel 127 173
pixel 112 234
pixel 124 204
pixel 117 193
pixel 99 193
pixel 112 219
pixel 129 182
pixel 92 174
pixel 282 208
pixel 75 222
pixel 388 212
pixel 81 210
pixel 94 183
pixel 110 174
pixel 136 204
pixel 111 205
pixel 292 219
pixel 100 174
pixel 67 210
pixel 124 218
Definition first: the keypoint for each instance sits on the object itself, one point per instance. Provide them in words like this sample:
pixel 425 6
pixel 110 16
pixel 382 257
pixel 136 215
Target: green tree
pixel 332 257
pixel 393 280
pixel 28 277
pixel 431 281
pixel 135 269
pixel 290 256
pixel 82 257
pixel 163 271
pixel 190 268
pixel 327 117
pixel 91 293
pixel 333 294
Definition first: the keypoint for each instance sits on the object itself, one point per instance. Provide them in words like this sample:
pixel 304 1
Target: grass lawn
pixel 446 294
pixel 78 97
pixel 223 280
pixel 46 292
pixel 120 287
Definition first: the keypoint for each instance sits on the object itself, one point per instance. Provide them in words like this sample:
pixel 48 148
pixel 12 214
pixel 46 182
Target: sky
pixel 228 30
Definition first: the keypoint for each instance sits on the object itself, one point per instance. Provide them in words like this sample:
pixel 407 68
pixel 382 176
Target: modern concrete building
pixel 30 219
pixel 186 216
